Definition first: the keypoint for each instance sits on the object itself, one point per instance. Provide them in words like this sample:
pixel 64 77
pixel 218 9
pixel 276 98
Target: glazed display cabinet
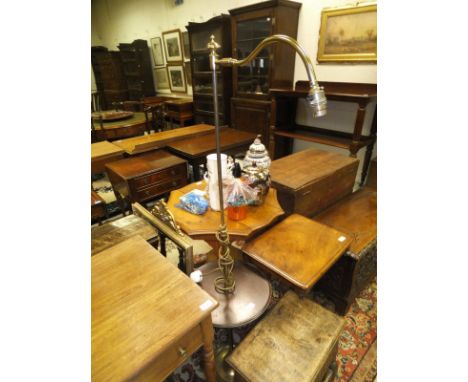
pixel 273 67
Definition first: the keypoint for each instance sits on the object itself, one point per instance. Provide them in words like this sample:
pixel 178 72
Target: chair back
pixel 154 116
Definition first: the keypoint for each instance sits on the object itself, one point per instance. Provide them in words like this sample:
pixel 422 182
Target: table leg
pixel 208 352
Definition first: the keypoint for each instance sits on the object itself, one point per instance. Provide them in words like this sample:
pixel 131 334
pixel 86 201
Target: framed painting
pixel 156 47
pixel 177 78
pixel 348 34
pixel 185 41
pixel 162 80
pixel 172 46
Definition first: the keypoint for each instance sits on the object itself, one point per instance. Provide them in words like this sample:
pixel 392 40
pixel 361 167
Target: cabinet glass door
pixel 252 78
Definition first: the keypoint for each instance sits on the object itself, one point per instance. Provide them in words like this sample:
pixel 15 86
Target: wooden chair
pixel 154 117
pixel 191 252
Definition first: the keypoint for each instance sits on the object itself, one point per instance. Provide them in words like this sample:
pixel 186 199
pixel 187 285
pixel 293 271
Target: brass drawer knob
pixel 173 172
pixel 182 352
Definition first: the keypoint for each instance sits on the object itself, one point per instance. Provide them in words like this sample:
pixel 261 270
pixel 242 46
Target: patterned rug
pixel 357 348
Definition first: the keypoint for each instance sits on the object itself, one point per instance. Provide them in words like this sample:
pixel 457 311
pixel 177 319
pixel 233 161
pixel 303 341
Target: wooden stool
pixel 298 249
pixel 297 341
pixel 356 216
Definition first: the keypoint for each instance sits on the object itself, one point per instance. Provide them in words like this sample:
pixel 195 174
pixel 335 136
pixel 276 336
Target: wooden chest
pixel 311 180
pixel 297 341
pixel 146 176
pixel 356 216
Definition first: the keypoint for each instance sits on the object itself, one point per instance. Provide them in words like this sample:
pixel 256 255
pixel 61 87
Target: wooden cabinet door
pixel 252 116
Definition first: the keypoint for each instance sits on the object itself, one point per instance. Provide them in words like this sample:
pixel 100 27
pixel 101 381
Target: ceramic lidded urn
pixel 257 169
pixel 257 153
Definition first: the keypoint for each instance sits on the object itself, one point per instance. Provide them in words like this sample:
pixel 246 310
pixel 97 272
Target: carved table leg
pixel 208 352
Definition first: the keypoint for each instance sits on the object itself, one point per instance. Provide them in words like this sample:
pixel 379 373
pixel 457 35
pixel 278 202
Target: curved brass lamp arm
pixel 272 40
pixel 316 96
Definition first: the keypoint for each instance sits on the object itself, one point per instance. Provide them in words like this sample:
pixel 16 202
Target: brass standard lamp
pixel 244 303
pixel 317 100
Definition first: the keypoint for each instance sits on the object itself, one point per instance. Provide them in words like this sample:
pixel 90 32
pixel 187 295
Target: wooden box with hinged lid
pixel 311 180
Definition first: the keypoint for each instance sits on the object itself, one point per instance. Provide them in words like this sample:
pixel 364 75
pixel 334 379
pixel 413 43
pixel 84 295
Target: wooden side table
pixel 147 317
pixel 146 176
pixel 297 341
pixel 298 250
pixel 179 111
pixel 356 216
pixel 195 150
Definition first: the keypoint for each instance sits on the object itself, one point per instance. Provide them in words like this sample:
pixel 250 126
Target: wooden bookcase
pixel 199 36
pixel 109 75
pixel 136 62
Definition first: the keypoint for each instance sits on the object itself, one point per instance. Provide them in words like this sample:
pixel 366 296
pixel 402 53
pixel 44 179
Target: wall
pixel 116 21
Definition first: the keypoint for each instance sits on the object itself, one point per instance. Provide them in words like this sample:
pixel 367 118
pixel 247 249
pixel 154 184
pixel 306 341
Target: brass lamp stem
pixel 316 99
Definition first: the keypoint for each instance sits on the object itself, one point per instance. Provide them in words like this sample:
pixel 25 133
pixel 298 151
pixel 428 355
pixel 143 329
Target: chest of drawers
pixel 144 177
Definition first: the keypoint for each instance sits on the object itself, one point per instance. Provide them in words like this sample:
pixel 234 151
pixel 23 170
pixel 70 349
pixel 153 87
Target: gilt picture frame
pixel 173 45
pixel 348 34
pixel 156 47
pixel 186 42
pixel 177 79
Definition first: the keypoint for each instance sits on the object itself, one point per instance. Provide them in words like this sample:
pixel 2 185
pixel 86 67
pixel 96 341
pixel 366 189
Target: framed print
pixel 156 47
pixel 348 34
pixel 185 41
pixel 177 78
pixel 172 45
pixel 162 81
pixel 188 72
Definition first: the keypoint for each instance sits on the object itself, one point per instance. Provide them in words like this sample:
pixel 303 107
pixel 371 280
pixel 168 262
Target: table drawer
pixel 160 176
pixel 173 357
pixel 160 188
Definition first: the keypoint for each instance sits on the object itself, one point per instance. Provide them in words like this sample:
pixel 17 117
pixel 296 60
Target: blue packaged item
pixel 194 202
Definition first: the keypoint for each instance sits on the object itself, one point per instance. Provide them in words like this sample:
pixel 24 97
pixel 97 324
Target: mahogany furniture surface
pixel 199 36
pixel 138 145
pixel 195 150
pixel 204 226
pixel 179 111
pixel 284 128
pixel 102 153
pixel 356 216
pixel 112 130
pixel 311 180
pixel 98 207
pixel 147 317
pixel 298 249
pixel 146 176
pixel 297 341
pixel 116 231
